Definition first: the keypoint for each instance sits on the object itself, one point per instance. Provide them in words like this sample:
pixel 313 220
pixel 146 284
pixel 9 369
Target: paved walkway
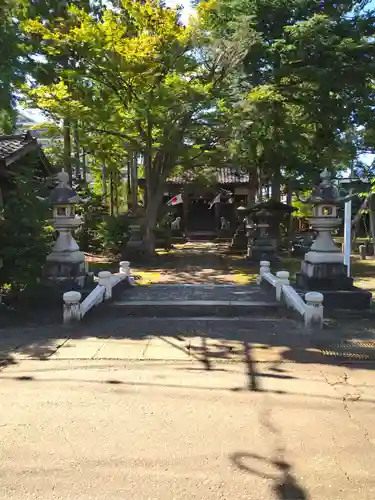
pixel 190 339
pixel 211 408
pixel 100 430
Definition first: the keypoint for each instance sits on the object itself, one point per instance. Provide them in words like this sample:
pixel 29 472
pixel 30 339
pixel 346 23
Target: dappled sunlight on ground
pixel 196 262
pixel 144 277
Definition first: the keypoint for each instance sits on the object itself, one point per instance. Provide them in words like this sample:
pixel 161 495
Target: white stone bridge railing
pixel 75 310
pixel 311 309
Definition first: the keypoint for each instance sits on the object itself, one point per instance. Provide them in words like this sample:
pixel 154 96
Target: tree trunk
pixel 252 190
pixel 128 183
pixel 67 150
pixel 276 187
pixel 111 195
pixel 289 193
pixel 116 187
pixel 259 185
pixel 157 170
pixel 372 220
pixel 358 215
pixel 104 184
pixel 134 180
pixel 151 217
pixel 84 168
pixel 77 151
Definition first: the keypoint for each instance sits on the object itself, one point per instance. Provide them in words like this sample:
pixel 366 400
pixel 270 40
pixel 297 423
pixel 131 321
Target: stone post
pixel 72 311
pixel 362 252
pixel 265 267
pixel 125 268
pixel 105 280
pixel 314 310
pixel 282 278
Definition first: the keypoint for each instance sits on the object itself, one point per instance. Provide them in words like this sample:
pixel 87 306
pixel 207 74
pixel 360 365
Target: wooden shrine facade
pixel 196 216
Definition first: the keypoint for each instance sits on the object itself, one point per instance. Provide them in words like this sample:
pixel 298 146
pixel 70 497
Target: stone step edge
pixel 189 359
pixel 194 303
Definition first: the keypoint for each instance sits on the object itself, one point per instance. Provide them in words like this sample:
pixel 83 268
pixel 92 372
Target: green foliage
pixel 100 232
pixel 304 81
pixel 92 212
pixel 134 84
pixel 26 235
pixel 11 66
pixel 304 210
pixel 114 233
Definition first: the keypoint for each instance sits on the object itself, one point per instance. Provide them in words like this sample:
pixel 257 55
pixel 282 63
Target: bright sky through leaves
pixel 186 5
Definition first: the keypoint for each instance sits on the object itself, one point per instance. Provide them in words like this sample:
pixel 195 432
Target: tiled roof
pixel 13 147
pixel 12 144
pixel 223 176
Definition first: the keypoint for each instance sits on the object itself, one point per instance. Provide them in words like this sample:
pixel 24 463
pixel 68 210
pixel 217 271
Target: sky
pixel 186 5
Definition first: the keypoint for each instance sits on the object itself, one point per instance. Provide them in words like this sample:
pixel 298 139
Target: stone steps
pixel 193 301
pixel 192 308
pixel 256 328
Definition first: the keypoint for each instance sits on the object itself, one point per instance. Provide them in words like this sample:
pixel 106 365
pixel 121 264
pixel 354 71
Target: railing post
pixel 282 278
pixel 125 268
pixel 314 310
pixel 72 310
pixel 265 267
pixel 105 280
pixel 362 252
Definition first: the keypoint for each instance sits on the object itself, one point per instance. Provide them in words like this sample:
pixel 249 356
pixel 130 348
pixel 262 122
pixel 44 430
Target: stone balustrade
pixel 311 309
pixel 75 310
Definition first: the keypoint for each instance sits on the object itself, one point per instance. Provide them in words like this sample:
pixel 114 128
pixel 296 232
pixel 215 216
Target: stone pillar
pixel 105 280
pixel 72 311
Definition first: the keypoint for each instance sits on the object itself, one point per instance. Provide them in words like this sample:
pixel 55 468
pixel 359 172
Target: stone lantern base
pixel 332 281
pixel 238 244
pixel 69 267
pixel 264 249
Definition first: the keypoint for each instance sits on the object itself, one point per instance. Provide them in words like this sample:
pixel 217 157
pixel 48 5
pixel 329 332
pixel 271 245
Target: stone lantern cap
pixel 63 194
pixel 326 192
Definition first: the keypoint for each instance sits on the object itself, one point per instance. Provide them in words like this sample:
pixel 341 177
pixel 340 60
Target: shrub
pixel 26 234
pixel 114 233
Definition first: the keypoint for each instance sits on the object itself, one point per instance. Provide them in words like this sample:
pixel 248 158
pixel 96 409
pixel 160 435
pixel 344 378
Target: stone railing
pixel 75 310
pixel 311 309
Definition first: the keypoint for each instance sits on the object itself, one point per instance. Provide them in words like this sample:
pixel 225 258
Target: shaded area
pixel 284 484
pixel 209 341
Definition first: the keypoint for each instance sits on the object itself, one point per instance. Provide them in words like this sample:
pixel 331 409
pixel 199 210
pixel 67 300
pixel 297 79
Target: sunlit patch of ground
pixel 165 276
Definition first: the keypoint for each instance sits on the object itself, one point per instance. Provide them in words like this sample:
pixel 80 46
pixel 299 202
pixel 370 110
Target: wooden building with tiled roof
pixel 21 151
pixel 198 194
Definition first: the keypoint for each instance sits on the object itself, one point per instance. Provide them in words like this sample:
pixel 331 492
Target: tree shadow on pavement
pixel 284 484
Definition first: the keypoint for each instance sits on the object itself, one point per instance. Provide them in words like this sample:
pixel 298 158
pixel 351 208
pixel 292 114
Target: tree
pixel 43 69
pixel 11 67
pixel 134 76
pixel 305 80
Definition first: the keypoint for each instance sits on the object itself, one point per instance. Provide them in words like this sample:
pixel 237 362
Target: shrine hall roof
pixel 14 147
pixel 223 176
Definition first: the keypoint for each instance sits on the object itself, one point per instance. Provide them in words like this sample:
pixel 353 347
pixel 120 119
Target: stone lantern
pixel 239 240
pixel 263 246
pixel 323 267
pixel 66 262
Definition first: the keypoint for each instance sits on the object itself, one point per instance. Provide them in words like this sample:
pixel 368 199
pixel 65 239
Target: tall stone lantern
pixel 323 267
pixel 66 262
